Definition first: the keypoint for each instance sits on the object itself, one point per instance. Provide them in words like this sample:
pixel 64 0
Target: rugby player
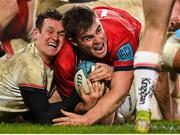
pixel 107 35
pixel 26 79
pixel 135 7
pixel 170 63
pixel 147 58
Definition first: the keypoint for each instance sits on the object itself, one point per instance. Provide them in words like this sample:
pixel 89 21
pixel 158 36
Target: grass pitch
pixel 157 127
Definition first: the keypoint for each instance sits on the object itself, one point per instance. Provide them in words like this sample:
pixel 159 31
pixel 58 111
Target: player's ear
pixel 72 42
pixel 35 33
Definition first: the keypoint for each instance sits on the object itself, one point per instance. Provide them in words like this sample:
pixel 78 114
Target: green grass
pixel 157 127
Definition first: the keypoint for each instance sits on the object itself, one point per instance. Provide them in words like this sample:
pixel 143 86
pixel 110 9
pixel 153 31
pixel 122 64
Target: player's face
pixel 93 42
pixel 50 39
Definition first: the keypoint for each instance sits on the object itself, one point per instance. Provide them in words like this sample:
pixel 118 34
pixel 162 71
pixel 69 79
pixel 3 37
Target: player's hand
pixel 102 72
pixel 96 91
pixel 69 119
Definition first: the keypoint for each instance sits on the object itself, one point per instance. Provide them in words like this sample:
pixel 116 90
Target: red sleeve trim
pixel 7 47
pixel 31 85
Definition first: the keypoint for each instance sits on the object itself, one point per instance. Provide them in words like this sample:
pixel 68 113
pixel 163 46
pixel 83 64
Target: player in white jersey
pixel 26 79
pixel 24 69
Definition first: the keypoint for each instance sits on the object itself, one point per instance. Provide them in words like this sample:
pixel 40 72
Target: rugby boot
pixel 143 121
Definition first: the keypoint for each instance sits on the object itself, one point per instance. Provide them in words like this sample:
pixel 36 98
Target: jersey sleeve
pixel 123 52
pixel 29 71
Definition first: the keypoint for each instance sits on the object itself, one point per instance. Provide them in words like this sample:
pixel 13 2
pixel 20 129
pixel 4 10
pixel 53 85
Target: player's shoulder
pixel 108 11
pixel 30 52
pixel 29 57
pixel 67 46
pixel 67 51
pixel 118 18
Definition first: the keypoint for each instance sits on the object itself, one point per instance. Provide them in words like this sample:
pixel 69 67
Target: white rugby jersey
pixel 25 68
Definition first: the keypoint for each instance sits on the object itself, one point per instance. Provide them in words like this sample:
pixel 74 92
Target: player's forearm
pixel 112 100
pixel 105 107
pixel 41 110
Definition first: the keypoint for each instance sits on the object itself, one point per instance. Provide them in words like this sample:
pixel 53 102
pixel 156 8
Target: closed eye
pixel 87 38
pixel 62 33
pixel 99 28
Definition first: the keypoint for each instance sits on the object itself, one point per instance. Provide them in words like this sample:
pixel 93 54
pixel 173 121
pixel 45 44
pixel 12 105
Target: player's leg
pixel 126 112
pixel 176 99
pixel 155 110
pixel 170 63
pixel 163 95
pixel 147 58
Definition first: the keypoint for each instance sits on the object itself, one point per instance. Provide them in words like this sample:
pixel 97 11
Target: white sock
pixel 146 66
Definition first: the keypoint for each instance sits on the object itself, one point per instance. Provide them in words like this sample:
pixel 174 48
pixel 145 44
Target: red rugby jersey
pixel 122 31
pixel 64 70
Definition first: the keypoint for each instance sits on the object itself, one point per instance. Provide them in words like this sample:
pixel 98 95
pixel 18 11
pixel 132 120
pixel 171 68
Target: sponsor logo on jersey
pixel 125 53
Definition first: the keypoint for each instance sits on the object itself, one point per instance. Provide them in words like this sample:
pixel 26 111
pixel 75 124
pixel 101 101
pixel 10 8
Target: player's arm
pixel 105 106
pixel 120 83
pixel 119 88
pixel 113 99
pixel 42 111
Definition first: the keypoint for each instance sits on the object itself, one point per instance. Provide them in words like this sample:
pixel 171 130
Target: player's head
pixel 51 14
pixel 84 29
pixel 49 33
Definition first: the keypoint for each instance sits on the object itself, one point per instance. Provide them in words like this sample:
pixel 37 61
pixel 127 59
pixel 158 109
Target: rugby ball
pixel 128 107
pixel 82 72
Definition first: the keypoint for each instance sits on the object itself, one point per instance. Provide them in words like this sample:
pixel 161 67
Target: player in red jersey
pixel 17 18
pixel 108 35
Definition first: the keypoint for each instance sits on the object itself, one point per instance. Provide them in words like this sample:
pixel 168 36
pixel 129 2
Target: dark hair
pixel 50 13
pixel 77 21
